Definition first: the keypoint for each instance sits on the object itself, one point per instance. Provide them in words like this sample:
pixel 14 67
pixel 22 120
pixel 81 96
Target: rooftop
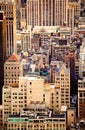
pixel 46 118
pixel 13 58
pixel 30 77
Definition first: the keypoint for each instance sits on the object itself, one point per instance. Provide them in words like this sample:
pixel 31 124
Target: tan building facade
pixel 32 89
pixel 1 118
pixel 47 13
pixel 62 79
pixel 58 122
pixel 23 41
pixel 71 116
pixel 9 8
pixel 81 99
pixel 71 17
pixel 13 68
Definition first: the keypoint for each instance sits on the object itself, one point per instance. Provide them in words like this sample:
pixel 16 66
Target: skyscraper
pixel 2 49
pixel 32 12
pixel 9 8
pixel 81 98
pixel 47 12
pixel 61 9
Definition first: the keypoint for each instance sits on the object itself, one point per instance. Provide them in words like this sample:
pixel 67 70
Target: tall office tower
pixel 18 6
pixel 2 49
pixel 69 59
pixel 12 70
pixel 32 12
pixel 61 11
pixel 82 59
pixel 23 16
pixel 82 8
pixel 76 6
pixel 71 18
pixel 9 8
pixel 47 12
pixel 62 79
pixel 81 98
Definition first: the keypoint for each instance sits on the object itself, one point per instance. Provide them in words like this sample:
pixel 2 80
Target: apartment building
pixel 62 79
pixel 53 66
pixel 71 116
pixel 56 121
pixel 23 40
pixel 13 68
pixel 38 116
pixel 60 48
pixel 33 89
pixel 16 96
pixel 36 41
pixel 70 59
pixel 81 98
pixel 82 58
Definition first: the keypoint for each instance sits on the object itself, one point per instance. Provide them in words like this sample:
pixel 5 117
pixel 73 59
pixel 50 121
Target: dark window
pixel 30 83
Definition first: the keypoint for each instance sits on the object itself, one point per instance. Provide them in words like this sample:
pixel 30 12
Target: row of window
pixel 11 68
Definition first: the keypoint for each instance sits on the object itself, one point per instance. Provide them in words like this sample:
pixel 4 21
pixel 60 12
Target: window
pixel 30 91
pixel 56 92
pixel 44 99
pixel 30 83
pixel 80 94
pixel 71 114
pixel 43 95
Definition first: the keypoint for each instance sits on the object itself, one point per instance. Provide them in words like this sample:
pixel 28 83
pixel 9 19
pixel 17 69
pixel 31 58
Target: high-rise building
pixel 23 40
pixel 47 12
pixel 51 121
pixel 9 8
pixel 18 6
pixel 1 118
pixel 81 98
pixel 2 49
pixel 71 18
pixel 82 8
pixel 19 96
pixel 62 79
pixel 23 16
pixel 32 12
pixel 82 58
pixel 61 11
pixel 13 68
pixel 76 6
pixel 69 59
